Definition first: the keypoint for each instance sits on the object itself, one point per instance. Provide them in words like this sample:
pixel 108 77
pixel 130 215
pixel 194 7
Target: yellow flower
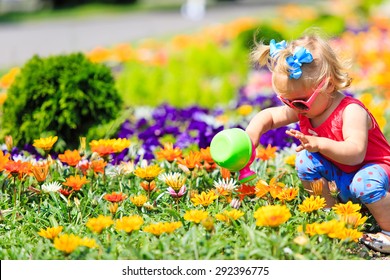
pixel 120 144
pixel 50 233
pixel 353 219
pixel 99 54
pixel 162 227
pixel 67 243
pixel 227 216
pixel 208 224
pixel 272 215
pixel 129 223
pixel 139 200
pixel 173 180
pixel 331 228
pixel 311 229
pixel 98 224
pixel 311 204
pixel 347 208
pixel 7 79
pixel 88 242
pixel 290 160
pixel 317 186
pixel 350 234
pixel 45 143
pixel 204 199
pixel 148 173
pixel 109 145
pixel 113 207
pixel 288 194
pixel 3 97
pixel 244 110
pixel 195 216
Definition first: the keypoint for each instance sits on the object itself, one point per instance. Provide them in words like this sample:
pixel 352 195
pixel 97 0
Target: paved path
pixel 18 42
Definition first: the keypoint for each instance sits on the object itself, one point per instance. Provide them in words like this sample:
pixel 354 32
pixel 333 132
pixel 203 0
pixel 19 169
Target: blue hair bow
pixel 275 48
pixel 300 55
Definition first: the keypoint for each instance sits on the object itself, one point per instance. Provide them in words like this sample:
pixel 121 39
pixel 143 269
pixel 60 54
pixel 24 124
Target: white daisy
pixel 51 187
pixel 168 177
pixel 226 184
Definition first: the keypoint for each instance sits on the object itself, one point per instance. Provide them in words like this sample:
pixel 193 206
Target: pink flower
pixel 174 194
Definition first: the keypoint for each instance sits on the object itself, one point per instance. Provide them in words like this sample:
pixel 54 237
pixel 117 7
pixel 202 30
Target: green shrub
pixel 63 95
pixel 263 33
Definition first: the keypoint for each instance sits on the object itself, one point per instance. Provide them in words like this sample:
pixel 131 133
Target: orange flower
pixel 246 190
pixel 7 79
pixel 72 158
pixel 261 188
pixel 65 193
pixel 275 187
pixel 206 155
pixel 98 166
pixel 105 147
pixel 115 197
pixel 75 182
pixel 148 186
pixel 84 166
pixel 4 158
pixel 317 186
pixel 9 142
pixel 17 168
pixel 267 153
pixel 192 160
pixel 123 52
pixel 225 173
pixel 40 171
pixel 103 150
pixel 99 54
pixel 169 153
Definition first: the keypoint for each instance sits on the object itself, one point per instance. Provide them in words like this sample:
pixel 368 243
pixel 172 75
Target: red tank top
pixel 378 149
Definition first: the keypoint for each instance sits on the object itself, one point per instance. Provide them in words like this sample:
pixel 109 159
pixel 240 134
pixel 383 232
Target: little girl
pixel 339 138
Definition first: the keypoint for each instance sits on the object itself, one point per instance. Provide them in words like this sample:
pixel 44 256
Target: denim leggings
pixel 366 185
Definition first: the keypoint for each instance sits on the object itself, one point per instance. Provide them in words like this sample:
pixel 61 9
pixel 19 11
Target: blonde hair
pixel 325 65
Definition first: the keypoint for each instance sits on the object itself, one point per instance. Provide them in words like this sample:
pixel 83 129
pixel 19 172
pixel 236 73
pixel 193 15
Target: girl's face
pixel 309 102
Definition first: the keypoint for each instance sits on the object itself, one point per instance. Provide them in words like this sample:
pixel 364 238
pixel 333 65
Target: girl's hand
pixel 309 143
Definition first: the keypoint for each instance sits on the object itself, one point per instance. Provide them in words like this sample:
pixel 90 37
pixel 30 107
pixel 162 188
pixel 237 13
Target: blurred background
pixel 46 27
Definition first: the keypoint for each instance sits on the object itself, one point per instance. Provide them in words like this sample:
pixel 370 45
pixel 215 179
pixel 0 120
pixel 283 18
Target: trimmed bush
pixel 263 33
pixel 65 95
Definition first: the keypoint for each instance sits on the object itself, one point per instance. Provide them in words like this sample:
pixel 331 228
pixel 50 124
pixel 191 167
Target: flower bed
pixel 154 192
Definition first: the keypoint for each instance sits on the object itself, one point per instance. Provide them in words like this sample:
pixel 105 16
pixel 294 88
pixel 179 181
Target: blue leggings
pixel 367 185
